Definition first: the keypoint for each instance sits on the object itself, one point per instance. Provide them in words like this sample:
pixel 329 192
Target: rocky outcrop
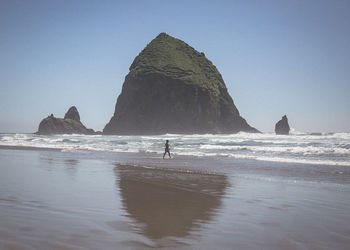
pixel 73 114
pixel 282 126
pixel 70 124
pixel 172 88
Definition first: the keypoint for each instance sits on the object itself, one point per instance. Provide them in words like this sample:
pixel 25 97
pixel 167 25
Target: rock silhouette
pixel 172 88
pixel 282 126
pixel 73 114
pixel 70 124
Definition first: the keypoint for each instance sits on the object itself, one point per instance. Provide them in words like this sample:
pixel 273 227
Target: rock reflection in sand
pixel 169 203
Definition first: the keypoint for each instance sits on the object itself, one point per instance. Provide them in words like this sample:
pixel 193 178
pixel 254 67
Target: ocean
pixel 332 149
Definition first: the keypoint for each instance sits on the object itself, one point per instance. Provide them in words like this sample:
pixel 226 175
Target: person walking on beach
pixel 167 149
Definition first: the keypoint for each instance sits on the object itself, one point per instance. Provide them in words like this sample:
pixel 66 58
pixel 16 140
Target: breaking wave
pixel 309 148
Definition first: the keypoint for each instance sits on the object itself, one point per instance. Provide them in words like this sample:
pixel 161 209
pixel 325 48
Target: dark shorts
pixel 167 150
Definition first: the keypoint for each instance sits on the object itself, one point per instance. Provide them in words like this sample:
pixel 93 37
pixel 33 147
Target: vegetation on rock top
pixel 173 58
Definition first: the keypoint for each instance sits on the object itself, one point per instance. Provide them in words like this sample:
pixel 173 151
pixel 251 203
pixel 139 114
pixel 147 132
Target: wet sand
pixel 61 200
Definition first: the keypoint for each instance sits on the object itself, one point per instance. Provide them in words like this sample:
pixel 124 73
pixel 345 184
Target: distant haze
pixel 276 57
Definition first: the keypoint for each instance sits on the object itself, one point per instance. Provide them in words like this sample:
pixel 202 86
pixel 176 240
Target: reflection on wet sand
pixel 169 203
pixel 51 161
pixel 71 162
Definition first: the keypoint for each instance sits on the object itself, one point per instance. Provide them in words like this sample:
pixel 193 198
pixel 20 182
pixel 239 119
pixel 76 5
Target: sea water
pixel 307 148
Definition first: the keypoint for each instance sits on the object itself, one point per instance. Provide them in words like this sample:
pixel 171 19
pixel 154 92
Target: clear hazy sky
pixel 276 57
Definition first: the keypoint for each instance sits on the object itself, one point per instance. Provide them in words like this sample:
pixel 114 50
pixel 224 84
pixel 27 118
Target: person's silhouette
pixel 167 150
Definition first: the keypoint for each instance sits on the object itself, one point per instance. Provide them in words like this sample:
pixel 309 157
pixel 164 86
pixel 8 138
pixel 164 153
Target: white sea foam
pixel 320 148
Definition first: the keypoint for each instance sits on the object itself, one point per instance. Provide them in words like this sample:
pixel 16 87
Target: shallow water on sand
pixel 60 200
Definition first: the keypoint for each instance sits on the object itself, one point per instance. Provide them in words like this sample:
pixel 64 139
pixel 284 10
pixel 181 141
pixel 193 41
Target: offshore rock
pixel 172 88
pixel 73 114
pixel 282 126
pixel 70 124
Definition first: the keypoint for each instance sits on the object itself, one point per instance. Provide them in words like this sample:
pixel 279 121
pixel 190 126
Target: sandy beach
pixel 63 200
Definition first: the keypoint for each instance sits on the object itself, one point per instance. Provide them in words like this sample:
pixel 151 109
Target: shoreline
pixel 327 150
pixel 336 174
pixel 28 148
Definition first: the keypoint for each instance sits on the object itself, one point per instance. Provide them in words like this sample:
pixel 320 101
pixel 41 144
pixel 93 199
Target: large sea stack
pixel 70 124
pixel 282 126
pixel 172 88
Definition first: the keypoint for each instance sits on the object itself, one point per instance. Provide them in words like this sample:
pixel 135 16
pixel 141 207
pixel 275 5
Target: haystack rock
pixel 282 126
pixel 172 88
pixel 70 124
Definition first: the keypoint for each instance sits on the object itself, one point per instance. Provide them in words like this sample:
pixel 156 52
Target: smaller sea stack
pixel 70 124
pixel 282 126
